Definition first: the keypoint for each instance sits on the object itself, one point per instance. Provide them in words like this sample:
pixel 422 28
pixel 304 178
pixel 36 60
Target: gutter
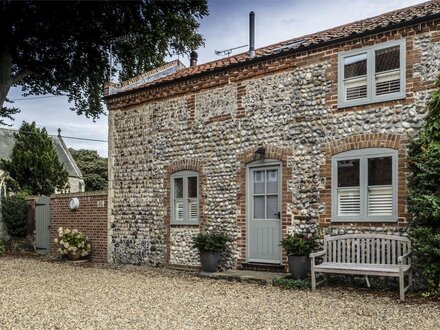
pixel 263 58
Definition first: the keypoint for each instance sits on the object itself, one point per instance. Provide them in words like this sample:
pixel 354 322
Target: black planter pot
pixel 299 267
pixel 210 261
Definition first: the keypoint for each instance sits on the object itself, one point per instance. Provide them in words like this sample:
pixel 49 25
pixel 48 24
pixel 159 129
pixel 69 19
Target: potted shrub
pixel 298 248
pixel 72 244
pixel 210 246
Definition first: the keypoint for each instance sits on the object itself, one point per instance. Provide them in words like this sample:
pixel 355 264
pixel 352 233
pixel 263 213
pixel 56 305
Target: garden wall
pixel 90 218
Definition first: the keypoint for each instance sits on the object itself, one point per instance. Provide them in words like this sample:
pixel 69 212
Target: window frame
pixel 371 82
pixel 184 175
pixel 363 155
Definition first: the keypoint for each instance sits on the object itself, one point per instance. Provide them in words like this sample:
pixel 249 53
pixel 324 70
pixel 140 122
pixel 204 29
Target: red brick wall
pixel 90 218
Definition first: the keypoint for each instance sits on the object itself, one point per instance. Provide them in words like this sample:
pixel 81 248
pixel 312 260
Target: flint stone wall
pixel 293 109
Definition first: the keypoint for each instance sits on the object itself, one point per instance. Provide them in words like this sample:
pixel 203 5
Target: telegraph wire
pixel 64 137
pixel 37 97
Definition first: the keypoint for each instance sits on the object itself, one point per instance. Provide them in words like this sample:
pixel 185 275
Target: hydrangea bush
pixel 72 241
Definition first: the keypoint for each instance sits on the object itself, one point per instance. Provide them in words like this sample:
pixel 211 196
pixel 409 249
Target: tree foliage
pixel 62 47
pixel 34 167
pixel 15 210
pixel 93 167
pixel 424 195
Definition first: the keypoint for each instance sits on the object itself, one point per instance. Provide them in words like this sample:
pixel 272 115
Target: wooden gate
pixel 42 225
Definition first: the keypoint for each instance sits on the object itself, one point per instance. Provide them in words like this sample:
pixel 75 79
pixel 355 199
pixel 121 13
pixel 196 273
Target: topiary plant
pixel 15 212
pixel 424 196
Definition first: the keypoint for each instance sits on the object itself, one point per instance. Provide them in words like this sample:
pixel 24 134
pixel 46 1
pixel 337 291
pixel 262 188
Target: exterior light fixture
pixel 259 154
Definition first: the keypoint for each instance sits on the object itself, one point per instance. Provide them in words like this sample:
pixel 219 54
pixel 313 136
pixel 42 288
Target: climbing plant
pixel 424 196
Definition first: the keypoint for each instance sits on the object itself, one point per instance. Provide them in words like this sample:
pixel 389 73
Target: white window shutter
pixel 193 209
pixel 356 88
pixel 349 202
pixel 178 210
pixel 388 82
pixel 380 200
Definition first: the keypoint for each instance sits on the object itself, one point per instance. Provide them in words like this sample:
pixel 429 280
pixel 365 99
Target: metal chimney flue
pixel 193 58
pixel 251 34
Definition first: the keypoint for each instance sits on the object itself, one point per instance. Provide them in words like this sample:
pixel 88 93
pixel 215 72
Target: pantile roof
pixel 421 12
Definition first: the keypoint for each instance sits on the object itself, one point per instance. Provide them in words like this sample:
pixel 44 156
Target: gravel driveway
pixel 41 295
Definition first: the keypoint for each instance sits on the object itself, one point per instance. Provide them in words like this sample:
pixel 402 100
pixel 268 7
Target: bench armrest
pixel 317 254
pixel 401 259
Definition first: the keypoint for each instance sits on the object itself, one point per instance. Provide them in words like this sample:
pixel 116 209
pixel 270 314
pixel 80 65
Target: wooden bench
pixel 365 254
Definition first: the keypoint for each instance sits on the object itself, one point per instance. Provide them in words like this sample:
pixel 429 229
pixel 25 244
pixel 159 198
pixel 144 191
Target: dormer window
pixel 372 74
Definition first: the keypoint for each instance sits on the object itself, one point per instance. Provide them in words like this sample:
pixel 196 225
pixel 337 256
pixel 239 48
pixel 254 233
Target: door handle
pixel 278 214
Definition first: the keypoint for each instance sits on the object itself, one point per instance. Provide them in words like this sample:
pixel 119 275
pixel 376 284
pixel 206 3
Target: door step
pixel 245 276
pixel 263 267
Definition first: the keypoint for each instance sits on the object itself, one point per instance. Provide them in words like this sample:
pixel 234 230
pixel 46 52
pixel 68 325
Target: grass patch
pixel 289 283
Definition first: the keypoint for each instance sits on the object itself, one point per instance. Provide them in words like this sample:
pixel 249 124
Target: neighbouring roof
pixel 7 142
pixel 147 77
pixel 394 19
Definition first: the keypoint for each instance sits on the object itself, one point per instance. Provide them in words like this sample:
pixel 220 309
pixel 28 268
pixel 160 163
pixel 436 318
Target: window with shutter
pixel 185 198
pixel 365 185
pixel 372 74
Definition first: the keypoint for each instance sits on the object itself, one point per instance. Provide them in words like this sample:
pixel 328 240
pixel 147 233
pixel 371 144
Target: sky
pixel 227 26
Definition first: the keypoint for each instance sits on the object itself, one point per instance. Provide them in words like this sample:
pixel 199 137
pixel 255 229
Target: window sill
pixel 186 224
pixel 394 220
pixel 345 105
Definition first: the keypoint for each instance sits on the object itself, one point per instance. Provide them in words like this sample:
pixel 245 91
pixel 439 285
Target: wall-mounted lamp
pixel 259 154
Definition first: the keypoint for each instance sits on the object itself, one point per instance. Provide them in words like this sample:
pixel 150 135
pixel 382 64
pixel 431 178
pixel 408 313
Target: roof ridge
pixel 334 34
pixel 322 31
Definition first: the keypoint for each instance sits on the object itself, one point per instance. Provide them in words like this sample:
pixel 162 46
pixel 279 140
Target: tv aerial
pixel 227 52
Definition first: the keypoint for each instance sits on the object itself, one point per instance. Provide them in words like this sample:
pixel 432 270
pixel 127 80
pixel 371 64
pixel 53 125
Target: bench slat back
pixel 366 248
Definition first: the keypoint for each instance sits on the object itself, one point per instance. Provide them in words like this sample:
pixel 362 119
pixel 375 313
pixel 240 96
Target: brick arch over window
pixel 177 166
pixel 362 141
pixel 248 156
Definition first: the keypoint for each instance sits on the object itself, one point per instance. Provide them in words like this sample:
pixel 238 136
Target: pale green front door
pixel 263 214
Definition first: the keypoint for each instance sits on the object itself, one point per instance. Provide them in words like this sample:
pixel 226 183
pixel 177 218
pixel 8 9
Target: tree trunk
pixel 5 73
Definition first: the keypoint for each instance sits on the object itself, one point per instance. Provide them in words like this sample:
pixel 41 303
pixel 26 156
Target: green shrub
pixel 15 212
pixel 289 283
pixel 424 197
pixel 299 244
pixel 2 248
pixel 211 242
